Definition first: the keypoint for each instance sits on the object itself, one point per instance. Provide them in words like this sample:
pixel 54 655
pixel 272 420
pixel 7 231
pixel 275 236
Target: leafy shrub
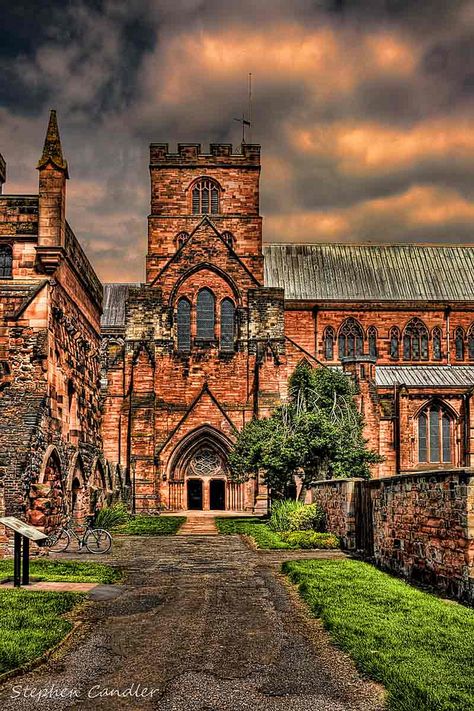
pixel 289 515
pixel 112 516
pixel 310 539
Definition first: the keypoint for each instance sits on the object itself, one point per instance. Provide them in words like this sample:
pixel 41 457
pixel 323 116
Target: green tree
pixel 317 434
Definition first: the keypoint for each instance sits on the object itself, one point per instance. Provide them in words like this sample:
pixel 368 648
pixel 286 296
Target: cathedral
pixel 139 390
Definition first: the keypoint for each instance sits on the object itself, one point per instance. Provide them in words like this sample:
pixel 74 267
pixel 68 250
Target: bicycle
pixel 96 540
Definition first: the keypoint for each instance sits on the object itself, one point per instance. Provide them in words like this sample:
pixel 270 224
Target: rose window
pixel 206 462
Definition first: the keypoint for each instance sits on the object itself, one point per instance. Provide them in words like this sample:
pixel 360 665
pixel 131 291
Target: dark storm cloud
pixel 362 109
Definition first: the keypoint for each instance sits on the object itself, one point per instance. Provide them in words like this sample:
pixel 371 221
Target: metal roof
pixel 345 272
pixel 113 305
pixel 424 375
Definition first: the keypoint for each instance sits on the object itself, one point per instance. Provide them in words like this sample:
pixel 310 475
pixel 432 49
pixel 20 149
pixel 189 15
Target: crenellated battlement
pixel 189 153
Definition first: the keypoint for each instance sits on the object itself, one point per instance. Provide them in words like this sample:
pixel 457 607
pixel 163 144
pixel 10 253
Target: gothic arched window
pixel 228 238
pixel 434 435
pixel 351 338
pixel 329 338
pixel 459 343
pixel 6 261
pixel 227 325
pixel 415 341
pixel 181 239
pixel 372 337
pixel 470 342
pixel 394 343
pixel 436 336
pixel 205 197
pixel 205 315
pixel 184 325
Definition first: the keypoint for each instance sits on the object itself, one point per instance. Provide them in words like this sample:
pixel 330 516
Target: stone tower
pixel 189 184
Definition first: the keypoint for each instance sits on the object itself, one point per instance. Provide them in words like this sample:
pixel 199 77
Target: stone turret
pixel 53 173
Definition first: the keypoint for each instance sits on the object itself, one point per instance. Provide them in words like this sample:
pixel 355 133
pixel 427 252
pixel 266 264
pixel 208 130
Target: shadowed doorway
pixel 217 494
pixel 195 494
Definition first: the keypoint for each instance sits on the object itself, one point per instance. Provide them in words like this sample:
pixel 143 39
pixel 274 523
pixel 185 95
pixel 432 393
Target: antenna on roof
pixel 247 122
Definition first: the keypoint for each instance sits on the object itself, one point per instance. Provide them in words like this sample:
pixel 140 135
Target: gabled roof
pixel 425 375
pixel 16 295
pixel 344 272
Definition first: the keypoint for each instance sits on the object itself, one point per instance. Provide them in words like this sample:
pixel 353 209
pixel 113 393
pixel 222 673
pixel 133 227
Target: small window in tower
pixel 227 325
pixel 205 315
pixel 6 261
pixel 181 239
pixel 184 325
pixel 228 238
pixel 205 197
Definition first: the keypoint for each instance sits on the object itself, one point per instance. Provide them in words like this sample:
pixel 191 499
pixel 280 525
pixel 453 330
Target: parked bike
pixel 95 540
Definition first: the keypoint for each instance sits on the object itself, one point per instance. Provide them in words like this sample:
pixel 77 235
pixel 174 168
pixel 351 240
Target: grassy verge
pixel 420 647
pixel 257 529
pixel 265 538
pixel 142 525
pixel 31 623
pixel 64 571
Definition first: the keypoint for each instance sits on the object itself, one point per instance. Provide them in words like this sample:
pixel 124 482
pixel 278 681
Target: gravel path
pixel 202 624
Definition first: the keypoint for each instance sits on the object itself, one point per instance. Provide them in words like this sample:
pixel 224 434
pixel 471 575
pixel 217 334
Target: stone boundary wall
pixel 418 525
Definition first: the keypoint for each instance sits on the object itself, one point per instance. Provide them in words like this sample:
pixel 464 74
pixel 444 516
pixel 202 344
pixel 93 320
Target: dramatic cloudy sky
pixel 363 109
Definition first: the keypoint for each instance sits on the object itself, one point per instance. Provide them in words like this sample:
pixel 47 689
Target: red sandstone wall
pixel 423 525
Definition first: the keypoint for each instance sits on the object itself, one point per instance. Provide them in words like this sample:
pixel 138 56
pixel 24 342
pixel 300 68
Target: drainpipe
pixel 467 429
pixel 129 438
pixel 447 312
pixel 396 427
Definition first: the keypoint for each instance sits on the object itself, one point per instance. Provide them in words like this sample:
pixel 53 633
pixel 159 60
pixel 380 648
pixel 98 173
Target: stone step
pixel 198 526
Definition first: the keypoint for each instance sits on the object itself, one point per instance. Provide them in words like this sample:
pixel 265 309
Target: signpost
pixel 26 533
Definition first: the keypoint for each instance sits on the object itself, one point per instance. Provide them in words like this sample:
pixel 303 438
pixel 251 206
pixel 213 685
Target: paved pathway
pixel 206 623
pixel 198 526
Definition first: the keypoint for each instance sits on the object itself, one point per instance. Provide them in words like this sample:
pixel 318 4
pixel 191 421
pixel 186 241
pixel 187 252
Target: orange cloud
pixel 394 217
pixel 367 147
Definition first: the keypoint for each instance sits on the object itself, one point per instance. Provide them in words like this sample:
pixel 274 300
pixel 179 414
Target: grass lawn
pixel 31 623
pixel 263 536
pixel 420 647
pixel 64 571
pixel 142 525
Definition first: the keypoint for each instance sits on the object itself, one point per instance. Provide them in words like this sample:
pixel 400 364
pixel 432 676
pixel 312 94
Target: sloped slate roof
pixel 113 305
pixel 371 272
pixel 425 375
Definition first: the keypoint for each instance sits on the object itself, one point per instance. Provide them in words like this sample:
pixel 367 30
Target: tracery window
pixel 205 197
pixel 394 343
pixel 228 238
pixel 329 339
pixel 372 337
pixel 205 314
pixel 434 435
pixel 181 239
pixel 227 325
pixel 470 342
pixel 436 339
pixel 459 343
pixel 351 338
pixel 415 341
pixel 184 325
pixel 6 261
pixel 206 462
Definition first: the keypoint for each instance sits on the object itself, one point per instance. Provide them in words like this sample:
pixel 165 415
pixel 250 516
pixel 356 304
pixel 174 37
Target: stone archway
pixel 47 500
pixel 198 474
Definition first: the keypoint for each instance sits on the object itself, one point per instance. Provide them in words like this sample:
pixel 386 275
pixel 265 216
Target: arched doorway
pixel 194 494
pixel 217 495
pixel 197 474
